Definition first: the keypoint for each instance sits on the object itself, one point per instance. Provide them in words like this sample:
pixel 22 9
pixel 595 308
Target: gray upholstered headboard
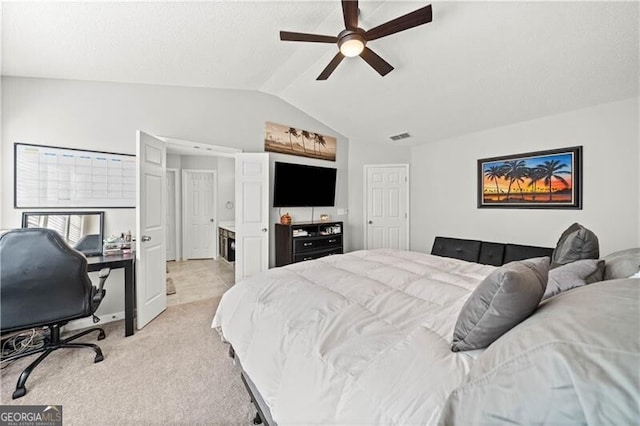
pixel 485 252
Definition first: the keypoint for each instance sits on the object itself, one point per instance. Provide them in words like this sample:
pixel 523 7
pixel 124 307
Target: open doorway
pixel 200 209
pixel 250 216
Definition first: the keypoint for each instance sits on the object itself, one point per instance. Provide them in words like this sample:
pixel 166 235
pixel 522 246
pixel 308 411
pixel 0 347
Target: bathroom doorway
pixel 201 201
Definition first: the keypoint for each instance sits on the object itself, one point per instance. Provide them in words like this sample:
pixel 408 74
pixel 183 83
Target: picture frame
pixel 550 179
pixel 290 140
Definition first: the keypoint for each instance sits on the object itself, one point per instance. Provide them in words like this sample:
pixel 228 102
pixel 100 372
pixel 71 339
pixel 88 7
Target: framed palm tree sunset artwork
pixel 290 140
pixel 537 180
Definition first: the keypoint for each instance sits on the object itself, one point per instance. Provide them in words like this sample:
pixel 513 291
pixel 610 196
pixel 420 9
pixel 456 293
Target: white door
pixel 387 206
pixel 171 215
pixel 252 214
pixel 151 285
pixel 199 214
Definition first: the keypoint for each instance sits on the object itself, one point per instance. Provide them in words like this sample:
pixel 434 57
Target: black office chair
pixel 44 283
pixel 89 243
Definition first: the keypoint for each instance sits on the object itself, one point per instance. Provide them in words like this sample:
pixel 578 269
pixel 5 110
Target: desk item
pixel 126 261
pixel 114 246
pixel 81 230
pixel 285 219
pixel 44 283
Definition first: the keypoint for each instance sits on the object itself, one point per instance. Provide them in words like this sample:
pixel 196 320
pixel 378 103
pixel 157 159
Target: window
pixel 60 224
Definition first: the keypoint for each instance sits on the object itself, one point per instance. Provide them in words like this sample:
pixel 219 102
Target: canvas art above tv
pixel 299 185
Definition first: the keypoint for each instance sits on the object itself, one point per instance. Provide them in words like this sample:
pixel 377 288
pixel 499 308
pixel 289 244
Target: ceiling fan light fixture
pixel 352 41
pixel 351 45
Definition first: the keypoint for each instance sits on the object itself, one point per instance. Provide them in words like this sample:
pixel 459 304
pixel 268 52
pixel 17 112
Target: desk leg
pixel 129 298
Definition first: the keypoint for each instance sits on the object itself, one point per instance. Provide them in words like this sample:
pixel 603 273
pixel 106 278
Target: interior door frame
pixel 176 209
pixel 366 169
pixel 185 172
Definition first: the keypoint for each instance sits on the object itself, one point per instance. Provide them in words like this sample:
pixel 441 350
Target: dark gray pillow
pixel 622 264
pixel 572 275
pixel 576 243
pixel 501 301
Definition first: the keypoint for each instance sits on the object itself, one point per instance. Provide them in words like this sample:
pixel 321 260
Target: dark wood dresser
pixel 298 242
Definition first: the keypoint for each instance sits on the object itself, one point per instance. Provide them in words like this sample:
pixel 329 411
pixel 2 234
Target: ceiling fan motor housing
pixel 352 36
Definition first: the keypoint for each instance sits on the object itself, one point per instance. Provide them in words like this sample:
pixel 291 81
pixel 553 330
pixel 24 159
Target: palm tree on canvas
pixel 551 170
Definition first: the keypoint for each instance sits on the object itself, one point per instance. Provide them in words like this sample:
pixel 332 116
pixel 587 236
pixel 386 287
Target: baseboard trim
pixel 88 322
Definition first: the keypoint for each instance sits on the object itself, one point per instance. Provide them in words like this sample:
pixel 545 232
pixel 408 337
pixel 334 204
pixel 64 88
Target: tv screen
pixel 298 185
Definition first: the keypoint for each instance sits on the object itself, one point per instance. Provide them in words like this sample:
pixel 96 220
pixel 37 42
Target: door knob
pixel 264 229
pixel 145 238
pixel 370 222
pixel 211 220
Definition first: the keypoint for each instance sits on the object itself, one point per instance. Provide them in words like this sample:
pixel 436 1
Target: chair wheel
pixel 98 358
pixel 19 393
pixel 101 336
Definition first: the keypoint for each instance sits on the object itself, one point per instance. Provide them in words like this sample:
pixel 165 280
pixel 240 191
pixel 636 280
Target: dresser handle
pixel 307 244
pixel 333 241
pixel 307 258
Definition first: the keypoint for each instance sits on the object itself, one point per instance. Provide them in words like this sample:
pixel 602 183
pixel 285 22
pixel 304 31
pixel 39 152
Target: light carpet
pixel 174 371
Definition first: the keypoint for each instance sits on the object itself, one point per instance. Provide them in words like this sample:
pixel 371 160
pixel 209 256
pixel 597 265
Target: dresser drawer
pixel 307 244
pixel 317 254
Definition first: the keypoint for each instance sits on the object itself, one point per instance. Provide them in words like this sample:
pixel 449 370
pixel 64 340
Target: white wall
pixel 174 162
pixel 105 116
pixel 361 154
pixel 226 189
pixel 444 176
pixel 1 124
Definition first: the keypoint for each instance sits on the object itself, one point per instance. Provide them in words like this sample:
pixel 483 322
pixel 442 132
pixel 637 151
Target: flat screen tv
pixel 298 185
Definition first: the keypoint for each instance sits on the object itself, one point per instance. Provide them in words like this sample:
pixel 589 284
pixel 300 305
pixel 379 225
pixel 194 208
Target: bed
pixel 365 338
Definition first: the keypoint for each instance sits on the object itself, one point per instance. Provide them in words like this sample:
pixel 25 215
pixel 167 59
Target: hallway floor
pixel 199 279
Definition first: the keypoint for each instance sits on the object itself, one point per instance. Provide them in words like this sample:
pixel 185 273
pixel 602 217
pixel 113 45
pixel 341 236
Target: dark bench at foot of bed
pixel 487 253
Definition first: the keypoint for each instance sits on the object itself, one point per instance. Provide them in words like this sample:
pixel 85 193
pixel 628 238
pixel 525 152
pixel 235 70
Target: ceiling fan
pixel 352 40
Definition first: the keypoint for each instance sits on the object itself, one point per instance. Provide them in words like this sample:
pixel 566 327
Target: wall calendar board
pixel 47 176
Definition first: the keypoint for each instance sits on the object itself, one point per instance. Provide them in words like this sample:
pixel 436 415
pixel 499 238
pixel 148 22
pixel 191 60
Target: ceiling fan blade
pixel 331 67
pixel 350 13
pixel 410 20
pixel 316 38
pixel 376 62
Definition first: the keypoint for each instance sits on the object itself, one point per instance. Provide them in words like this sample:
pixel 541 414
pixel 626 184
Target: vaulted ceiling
pixel 477 65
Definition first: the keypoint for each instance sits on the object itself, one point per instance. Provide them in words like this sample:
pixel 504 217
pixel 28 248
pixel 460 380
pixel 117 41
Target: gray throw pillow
pixel 576 243
pixel 572 275
pixel 622 264
pixel 500 302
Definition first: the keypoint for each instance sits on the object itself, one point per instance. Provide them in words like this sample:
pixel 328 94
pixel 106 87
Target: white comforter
pixel 357 338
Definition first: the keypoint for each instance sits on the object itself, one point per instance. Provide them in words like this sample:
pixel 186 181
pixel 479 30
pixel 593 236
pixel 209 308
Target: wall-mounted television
pixel 299 185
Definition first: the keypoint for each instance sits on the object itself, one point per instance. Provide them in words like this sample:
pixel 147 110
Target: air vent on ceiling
pixel 400 136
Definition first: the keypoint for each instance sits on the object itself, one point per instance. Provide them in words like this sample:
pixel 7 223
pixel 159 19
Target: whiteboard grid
pixel 49 177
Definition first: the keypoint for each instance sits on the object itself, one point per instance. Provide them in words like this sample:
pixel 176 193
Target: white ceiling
pixel 477 65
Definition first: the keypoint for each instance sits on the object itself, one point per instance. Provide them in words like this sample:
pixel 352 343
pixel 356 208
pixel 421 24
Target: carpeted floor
pixel 175 371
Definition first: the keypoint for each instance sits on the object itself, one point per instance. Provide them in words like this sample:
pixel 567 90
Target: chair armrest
pixel 103 275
